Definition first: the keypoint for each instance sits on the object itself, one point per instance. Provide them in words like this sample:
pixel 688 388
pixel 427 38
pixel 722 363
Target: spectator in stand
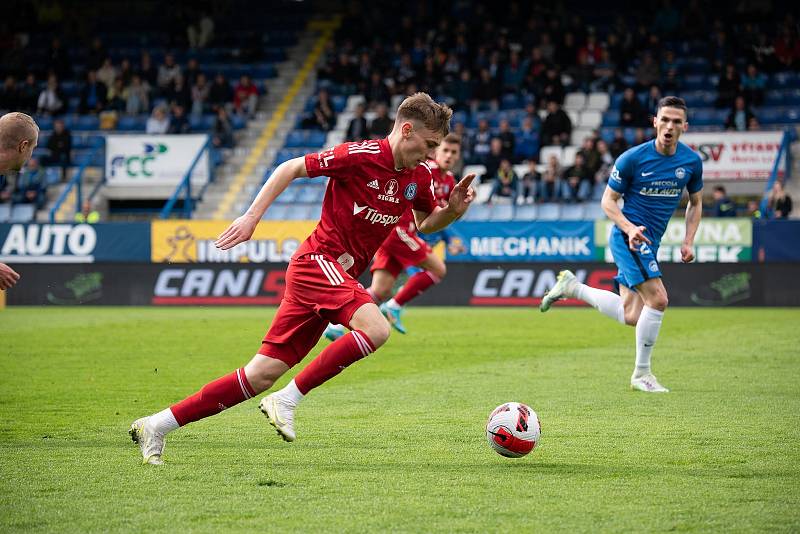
pixel 466 147
pixel 179 123
pixel 158 123
pixel 97 53
pixel 552 88
pixel 30 187
pixel 739 117
pixel 376 92
pixel 93 94
pixel 754 84
pixel 603 172
pixel 223 129
pixel 514 73
pixel 88 214
pixel 487 90
pixel 245 97
pixel 481 141
pixel 200 32
pixel 107 73
pixel 58 61
pixel 179 94
pixel 138 96
pixel 463 92
pixel 578 181
pixel 639 136
pixel 619 144
pixel 787 50
pixel 357 129
pixel 723 206
pixel 605 74
pixel 528 146
pixel 382 124
pixel 168 73
pixel 117 96
pixel 729 86
pixel 671 74
pixel 557 126
pixel 147 71
pixel 51 100
pixel 60 146
pixel 5 190
pixel 753 209
pixel 191 72
pixel 631 112
pixel 125 72
pixel 651 103
pixel 591 156
pixel 200 93
pixel 508 140
pixel 753 124
pixel 9 94
pixel 779 203
pixel 220 94
pixel 493 159
pixel 648 72
pixel 530 183
pixel 550 185
pixel 29 95
pixel 506 183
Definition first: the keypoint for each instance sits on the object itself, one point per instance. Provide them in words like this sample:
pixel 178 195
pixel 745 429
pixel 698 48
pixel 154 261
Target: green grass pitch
pixel 396 443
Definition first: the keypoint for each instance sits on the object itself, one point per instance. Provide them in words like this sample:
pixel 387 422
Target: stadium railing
pixel 186 185
pixel 77 183
pixel 783 154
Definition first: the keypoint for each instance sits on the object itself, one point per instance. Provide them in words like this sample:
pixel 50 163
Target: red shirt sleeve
pixel 334 163
pixel 425 199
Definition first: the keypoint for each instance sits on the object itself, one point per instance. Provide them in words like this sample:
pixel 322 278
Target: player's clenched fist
pixel 8 277
pixel 239 231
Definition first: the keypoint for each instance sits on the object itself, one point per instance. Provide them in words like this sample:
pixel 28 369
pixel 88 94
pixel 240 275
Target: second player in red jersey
pixel 372 184
pixel 404 248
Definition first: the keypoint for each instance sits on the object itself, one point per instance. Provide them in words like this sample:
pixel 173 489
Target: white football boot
pixel 150 442
pixel 564 288
pixel 280 414
pixel 648 384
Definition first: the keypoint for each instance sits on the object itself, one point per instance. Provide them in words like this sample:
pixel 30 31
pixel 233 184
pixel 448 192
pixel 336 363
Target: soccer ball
pixel 513 430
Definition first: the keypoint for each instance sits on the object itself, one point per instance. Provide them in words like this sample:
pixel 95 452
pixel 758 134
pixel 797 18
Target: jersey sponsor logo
pixel 324 158
pixel 615 174
pixel 374 216
pixel 411 191
pixel 648 173
pixel 374 184
pixel 680 172
pixel 660 192
pixel 390 189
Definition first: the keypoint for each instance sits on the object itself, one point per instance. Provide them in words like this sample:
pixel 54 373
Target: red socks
pixel 215 396
pixel 415 286
pixel 341 353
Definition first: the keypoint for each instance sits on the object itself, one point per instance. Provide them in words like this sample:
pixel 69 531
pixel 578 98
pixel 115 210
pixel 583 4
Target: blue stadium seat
pixel 289 195
pixel 501 212
pixel 128 123
pixel 52 176
pixel 572 212
pixel 549 211
pixel 305 138
pixel 611 118
pixel 478 212
pixel 526 212
pixel 527 146
pixel 310 193
pixel 277 212
pixel 21 213
pixel 299 212
pixel 789 80
pixel 593 211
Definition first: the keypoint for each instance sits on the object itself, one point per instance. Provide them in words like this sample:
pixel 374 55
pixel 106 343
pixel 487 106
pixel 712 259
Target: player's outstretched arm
pixel 460 198
pixel 694 211
pixel 242 228
pixel 611 208
pixel 8 276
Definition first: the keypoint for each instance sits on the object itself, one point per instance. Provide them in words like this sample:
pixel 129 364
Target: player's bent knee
pixel 659 302
pixel 378 332
pixel 632 318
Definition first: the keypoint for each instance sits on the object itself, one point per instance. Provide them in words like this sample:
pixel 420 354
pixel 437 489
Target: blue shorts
pixel 634 266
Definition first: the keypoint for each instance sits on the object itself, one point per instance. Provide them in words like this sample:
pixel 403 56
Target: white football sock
pixel 606 302
pixel 646 334
pixel 393 304
pixel 291 394
pixel 163 421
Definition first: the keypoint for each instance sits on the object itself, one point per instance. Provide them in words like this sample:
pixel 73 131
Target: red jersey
pixel 365 199
pixel 443 184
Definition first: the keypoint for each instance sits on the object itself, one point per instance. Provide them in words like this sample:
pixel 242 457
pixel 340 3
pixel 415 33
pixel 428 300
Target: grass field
pixel 396 442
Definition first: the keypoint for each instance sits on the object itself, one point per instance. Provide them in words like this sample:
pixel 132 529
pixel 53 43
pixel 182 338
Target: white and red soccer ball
pixel 513 429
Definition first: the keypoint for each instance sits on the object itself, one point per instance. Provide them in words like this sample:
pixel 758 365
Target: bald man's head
pixel 18 137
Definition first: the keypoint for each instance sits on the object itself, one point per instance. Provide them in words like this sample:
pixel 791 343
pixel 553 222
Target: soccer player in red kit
pixel 321 279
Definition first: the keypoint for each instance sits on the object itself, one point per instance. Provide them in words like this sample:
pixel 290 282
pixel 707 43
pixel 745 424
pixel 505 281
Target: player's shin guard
pixel 341 353
pixel 646 334
pixel 214 397
pixel 415 286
